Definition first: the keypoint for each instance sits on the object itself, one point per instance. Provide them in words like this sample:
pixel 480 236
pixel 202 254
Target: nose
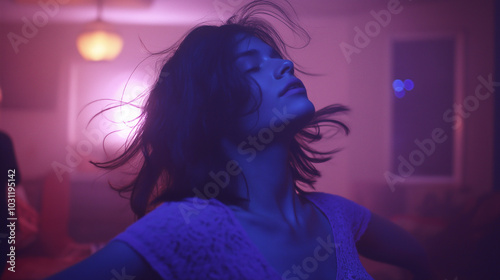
pixel 286 67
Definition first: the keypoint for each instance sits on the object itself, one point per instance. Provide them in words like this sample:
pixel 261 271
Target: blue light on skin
pixel 270 74
pixel 398 85
pixel 408 84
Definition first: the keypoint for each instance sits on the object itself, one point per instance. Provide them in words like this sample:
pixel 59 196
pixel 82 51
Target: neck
pixel 265 179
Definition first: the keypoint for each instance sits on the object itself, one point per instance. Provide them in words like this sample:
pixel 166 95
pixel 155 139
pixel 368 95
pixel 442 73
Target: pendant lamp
pixel 99 41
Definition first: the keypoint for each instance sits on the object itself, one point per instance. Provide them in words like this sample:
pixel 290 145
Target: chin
pixel 303 113
pixel 285 120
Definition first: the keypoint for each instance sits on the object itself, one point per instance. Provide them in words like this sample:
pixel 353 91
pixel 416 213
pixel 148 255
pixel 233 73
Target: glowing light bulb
pixel 99 42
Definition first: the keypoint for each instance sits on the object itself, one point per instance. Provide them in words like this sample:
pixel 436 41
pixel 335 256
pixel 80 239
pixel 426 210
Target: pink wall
pixel 369 95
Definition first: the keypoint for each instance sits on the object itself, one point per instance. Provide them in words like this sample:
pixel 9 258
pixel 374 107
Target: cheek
pixel 265 88
pixel 255 97
pixel 260 91
pixel 263 104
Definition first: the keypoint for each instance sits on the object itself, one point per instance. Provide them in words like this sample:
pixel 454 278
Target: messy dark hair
pixel 197 99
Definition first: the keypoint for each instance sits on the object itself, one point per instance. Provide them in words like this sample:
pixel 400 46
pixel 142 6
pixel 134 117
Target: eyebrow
pixel 256 52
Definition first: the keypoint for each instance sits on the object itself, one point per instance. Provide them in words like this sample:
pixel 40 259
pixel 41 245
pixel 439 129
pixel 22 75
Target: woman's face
pixel 285 108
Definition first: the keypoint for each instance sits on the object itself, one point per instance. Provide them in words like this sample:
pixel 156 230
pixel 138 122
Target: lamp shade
pixel 99 42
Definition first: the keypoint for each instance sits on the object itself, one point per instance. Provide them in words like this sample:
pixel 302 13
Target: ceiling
pixel 164 11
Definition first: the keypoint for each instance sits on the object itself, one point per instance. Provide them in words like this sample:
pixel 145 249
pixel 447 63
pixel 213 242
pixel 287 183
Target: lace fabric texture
pixel 202 239
pixel 349 221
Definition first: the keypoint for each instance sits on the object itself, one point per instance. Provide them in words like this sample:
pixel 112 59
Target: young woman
pixel 224 152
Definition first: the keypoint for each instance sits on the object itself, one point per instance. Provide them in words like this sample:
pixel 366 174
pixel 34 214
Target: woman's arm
pixel 115 261
pixel 386 242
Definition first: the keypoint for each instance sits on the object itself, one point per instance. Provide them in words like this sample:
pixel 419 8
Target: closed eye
pixel 253 69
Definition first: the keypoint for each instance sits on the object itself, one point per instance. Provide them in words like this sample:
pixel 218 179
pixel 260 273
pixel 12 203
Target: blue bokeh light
pixel 398 85
pixel 400 94
pixel 408 84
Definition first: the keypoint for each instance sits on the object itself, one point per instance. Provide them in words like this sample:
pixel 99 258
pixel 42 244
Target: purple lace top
pixel 202 239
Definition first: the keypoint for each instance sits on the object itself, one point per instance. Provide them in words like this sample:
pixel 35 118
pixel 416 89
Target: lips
pixel 295 83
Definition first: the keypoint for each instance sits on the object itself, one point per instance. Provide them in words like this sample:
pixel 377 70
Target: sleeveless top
pixel 202 239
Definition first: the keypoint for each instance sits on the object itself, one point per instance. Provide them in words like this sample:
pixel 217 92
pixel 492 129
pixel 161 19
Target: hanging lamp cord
pixel 99 9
